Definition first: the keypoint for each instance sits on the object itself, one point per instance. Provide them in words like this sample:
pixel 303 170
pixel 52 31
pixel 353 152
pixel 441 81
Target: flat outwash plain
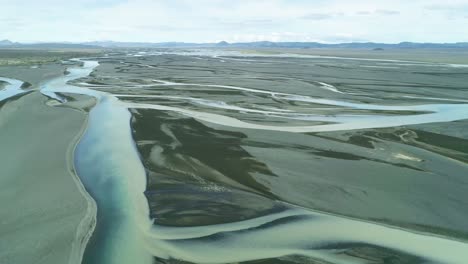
pixel 234 156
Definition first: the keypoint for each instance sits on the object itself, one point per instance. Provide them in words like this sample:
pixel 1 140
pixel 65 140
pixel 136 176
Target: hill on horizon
pixel 223 44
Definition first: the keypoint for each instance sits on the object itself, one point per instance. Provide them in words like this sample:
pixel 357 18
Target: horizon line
pixel 226 42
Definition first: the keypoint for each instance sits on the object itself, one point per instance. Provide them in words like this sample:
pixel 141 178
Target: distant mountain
pixel 114 44
pixel 224 44
pixel 269 44
pixel 6 42
pixel 357 45
pixel 52 45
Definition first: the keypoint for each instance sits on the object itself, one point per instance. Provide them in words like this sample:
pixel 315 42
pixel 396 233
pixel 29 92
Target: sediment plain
pixel 227 156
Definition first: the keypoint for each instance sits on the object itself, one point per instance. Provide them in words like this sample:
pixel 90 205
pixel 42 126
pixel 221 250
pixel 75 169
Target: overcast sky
pixel 234 20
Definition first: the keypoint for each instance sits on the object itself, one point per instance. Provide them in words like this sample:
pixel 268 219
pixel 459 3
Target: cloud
pixel 387 12
pixel 448 7
pixel 364 13
pixel 378 12
pixel 237 23
pixel 450 11
pixel 317 16
pixel 240 20
pixel 343 38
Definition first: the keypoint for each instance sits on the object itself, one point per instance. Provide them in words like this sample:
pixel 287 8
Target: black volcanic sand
pixel 34 57
pixel 200 173
pixel 363 174
pixel 33 76
pixel 290 75
pixel 439 55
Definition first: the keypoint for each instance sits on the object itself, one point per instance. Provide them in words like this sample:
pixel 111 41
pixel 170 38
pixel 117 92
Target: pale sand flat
pixel 42 204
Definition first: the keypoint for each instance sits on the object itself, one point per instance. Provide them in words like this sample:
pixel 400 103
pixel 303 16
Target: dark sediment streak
pixel 228 170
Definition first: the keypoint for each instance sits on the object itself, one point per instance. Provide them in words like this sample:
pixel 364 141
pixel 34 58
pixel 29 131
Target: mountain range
pixel 224 44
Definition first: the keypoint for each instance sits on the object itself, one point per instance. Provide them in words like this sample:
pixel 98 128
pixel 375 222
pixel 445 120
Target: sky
pixel 327 21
